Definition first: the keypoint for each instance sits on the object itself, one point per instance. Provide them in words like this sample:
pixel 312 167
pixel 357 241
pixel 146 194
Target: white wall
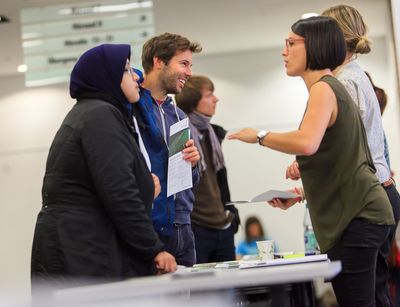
pixel 29 120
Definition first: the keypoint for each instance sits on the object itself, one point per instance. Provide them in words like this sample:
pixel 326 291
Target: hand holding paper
pixel 284 204
pixel 274 194
pixel 191 154
pixel 271 195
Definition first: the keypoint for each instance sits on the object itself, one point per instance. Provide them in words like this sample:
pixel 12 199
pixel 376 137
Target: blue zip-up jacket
pixel 157 120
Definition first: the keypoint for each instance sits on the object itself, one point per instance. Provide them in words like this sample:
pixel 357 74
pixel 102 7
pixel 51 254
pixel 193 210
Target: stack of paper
pixel 262 263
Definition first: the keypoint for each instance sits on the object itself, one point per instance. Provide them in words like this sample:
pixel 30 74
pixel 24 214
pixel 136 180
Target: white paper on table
pixel 179 170
pixel 267 196
pixel 273 262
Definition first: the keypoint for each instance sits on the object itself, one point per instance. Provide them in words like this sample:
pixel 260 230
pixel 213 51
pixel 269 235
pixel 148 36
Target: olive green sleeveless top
pixel 339 180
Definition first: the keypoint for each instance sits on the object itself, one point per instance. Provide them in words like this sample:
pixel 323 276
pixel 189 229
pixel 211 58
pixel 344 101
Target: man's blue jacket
pixel 154 128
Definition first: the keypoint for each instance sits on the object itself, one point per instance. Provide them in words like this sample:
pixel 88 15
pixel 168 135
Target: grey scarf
pixel 199 122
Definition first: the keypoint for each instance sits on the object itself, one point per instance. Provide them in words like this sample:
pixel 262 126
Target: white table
pixel 218 279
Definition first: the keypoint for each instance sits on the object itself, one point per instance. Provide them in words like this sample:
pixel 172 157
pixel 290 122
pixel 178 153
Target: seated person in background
pixel 254 232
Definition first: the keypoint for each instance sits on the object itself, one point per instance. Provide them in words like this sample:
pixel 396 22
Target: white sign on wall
pixel 54 37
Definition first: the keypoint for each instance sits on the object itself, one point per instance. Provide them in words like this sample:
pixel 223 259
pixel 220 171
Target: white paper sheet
pixel 179 170
pixel 267 196
pixel 273 262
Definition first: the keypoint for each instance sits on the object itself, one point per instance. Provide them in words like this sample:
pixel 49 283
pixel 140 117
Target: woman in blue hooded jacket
pixel 95 222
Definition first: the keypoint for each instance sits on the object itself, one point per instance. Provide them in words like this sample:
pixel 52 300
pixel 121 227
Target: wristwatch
pixel 261 135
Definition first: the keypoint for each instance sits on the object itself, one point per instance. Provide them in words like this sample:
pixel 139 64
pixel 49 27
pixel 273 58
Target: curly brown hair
pixel 164 47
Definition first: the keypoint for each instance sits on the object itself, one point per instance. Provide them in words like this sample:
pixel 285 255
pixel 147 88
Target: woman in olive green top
pixel 349 209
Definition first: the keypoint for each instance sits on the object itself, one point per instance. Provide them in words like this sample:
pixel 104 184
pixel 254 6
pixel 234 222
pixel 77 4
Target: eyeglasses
pixel 129 70
pixel 289 42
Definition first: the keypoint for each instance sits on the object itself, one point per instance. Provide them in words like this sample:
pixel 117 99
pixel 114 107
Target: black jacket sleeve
pixel 222 178
pixel 120 175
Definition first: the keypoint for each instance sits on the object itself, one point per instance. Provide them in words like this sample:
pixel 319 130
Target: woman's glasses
pixel 289 42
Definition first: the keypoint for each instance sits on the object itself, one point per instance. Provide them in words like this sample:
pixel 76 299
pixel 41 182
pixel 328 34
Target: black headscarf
pixel 99 71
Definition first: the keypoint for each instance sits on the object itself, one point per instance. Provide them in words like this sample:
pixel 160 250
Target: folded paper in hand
pixel 267 196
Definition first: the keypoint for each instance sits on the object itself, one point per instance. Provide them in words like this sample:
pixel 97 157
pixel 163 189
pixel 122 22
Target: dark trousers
pixel 394 199
pixel 214 245
pixel 181 244
pixel 362 251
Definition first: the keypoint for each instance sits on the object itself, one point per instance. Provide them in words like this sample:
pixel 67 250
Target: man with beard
pixel 167 61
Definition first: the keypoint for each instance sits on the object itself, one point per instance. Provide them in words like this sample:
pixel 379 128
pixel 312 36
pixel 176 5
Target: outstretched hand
pixel 247 135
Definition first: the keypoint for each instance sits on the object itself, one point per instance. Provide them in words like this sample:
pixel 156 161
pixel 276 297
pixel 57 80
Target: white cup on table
pixel 266 249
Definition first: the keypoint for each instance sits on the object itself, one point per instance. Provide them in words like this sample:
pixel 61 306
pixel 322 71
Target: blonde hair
pixel 353 27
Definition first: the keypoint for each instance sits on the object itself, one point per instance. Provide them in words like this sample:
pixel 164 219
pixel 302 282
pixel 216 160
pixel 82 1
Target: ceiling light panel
pixel 55 36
